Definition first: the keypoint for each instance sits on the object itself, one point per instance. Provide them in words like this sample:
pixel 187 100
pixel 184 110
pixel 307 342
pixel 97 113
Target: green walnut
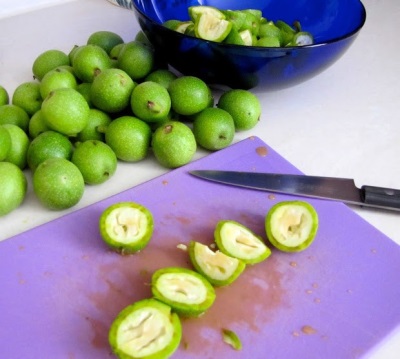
pixel 147 329
pixel 240 27
pixel 187 292
pixel 126 227
pixel 291 226
pixel 217 267
pixel 236 240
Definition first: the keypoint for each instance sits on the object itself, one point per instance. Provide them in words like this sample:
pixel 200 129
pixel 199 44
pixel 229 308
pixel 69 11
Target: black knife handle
pixel 380 196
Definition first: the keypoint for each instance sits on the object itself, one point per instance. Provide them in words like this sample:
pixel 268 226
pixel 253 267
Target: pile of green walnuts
pixel 103 102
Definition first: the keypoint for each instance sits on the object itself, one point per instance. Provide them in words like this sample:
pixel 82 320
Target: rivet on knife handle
pixel 380 196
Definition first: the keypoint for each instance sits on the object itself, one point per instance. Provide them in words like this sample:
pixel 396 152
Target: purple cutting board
pixel 61 286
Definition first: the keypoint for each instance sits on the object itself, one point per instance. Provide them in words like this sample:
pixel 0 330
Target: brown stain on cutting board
pixel 249 302
pixel 127 279
pixel 119 292
pixel 308 330
pixel 262 151
pixel 100 330
pixel 180 219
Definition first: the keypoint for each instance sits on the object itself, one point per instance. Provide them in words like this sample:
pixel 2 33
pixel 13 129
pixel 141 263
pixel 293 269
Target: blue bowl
pixel 334 24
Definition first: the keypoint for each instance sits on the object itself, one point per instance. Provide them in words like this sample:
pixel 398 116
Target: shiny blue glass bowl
pixel 334 24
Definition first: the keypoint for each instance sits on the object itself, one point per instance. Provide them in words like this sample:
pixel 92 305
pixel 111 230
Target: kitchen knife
pixel 339 189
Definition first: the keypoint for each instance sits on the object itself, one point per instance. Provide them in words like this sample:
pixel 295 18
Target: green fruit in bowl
pixel 268 42
pixel 182 27
pixel 287 32
pixel 212 28
pixel 269 29
pixel 251 21
pixel 196 11
pixel 245 27
pixel 235 38
pixel 173 24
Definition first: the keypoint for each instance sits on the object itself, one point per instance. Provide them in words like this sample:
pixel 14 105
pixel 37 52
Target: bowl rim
pixel 263 48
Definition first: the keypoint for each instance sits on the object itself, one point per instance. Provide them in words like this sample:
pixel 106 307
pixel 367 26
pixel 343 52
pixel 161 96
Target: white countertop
pixel 344 122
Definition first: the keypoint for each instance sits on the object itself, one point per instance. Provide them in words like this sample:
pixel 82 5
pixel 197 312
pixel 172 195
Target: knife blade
pixel 331 188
